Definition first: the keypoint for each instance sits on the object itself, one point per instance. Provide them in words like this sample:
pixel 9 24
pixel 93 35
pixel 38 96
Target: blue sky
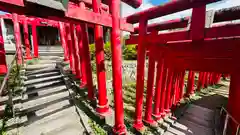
pixel 1 12
pixel 158 2
pixel 127 10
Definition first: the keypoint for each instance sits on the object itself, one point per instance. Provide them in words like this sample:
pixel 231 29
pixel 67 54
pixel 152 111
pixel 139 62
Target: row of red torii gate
pixel 198 43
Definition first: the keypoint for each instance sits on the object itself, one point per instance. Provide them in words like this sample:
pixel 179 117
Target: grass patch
pixel 14 82
pixel 217 86
pixel 32 61
pixel 8 114
pixel 98 130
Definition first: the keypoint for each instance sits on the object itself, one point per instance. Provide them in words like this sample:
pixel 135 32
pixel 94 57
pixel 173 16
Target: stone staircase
pixel 195 121
pixel 45 50
pixel 201 116
pixel 47 106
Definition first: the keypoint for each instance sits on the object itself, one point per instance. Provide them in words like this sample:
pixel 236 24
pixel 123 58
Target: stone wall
pixel 129 72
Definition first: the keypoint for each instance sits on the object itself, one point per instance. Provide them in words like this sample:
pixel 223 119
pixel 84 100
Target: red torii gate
pixel 43 22
pixel 203 47
pixel 25 21
pixel 74 12
pixel 180 51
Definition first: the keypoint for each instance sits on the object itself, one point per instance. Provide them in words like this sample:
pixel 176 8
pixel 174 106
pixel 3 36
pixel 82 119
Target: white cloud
pixel 223 4
pixel 127 10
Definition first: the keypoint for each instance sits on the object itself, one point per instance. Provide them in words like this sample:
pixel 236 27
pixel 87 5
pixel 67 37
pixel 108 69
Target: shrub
pixel 107 51
pixel 130 52
pixel 92 51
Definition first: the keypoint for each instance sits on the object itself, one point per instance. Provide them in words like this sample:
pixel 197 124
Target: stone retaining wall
pixel 129 72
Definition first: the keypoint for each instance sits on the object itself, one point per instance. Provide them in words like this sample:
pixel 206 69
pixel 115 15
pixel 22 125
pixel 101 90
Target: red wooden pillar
pixel 173 89
pixel 176 89
pixel 86 60
pixel 218 78
pixel 119 127
pixel 63 40
pixel 200 81
pixel 35 39
pixel 214 78
pixel 233 100
pixel 169 90
pixel 206 80
pixel 181 84
pixel 150 83
pixel 83 76
pixel 159 79
pixel 70 46
pixel 75 51
pixel 197 30
pixel 26 39
pixel 86 74
pixel 163 92
pixel 102 107
pixel 17 38
pixel 226 76
pixel 190 85
pixel 3 64
pixel 141 55
pixel 210 78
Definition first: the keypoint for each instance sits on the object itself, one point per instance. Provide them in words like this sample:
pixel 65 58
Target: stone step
pixel 198 120
pixel 42 80
pixel 185 127
pixel 175 131
pixel 48 61
pixel 42 102
pixel 195 129
pixel 54 108
pixel 68 129
pixel 56 122
pixel 51 57
pixel 47 74
pixel 45 91
pixel 2 109
pixel 3 100
pixel 45 84
pixel 39 66
pixel 40 71
pixel 45 53
pixel 195 121
pixel 200 112
pixel 16 99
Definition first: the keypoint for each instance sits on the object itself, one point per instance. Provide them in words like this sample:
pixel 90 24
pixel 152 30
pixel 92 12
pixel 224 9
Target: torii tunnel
pixel 197 43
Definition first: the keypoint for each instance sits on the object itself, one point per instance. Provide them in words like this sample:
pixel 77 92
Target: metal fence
pixel 228 118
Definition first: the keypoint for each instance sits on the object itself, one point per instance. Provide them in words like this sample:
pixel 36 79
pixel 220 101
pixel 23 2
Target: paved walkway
pixel 198 119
